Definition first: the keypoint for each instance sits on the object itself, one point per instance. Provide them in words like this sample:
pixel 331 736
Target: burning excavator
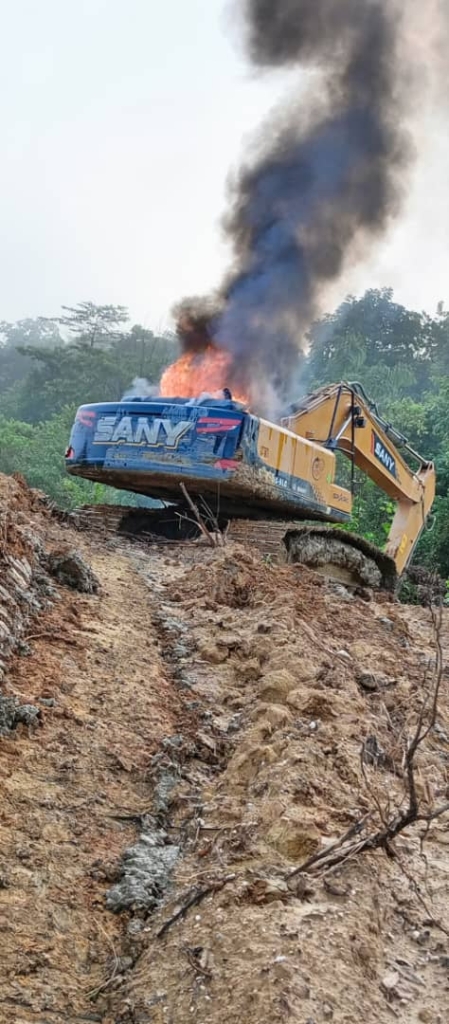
pixel 258 478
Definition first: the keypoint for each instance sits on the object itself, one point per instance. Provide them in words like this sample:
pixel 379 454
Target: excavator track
pixel 341 556
pixel 337 554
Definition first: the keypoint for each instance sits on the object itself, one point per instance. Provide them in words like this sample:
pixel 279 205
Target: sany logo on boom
pixel 378 449
pixel 140 430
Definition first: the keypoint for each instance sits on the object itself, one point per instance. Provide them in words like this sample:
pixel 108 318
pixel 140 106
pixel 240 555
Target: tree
pixel 94 325
pixel 73 375
pixel 14 337
pixel 374 337
pixel 37 452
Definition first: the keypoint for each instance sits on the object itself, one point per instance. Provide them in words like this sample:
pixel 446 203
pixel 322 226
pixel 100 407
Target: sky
pixel 120 123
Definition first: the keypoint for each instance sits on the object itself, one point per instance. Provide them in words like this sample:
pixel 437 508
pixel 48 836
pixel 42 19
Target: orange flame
pixel 196 373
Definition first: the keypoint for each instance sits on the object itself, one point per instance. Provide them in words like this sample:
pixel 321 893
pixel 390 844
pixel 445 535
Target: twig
pixel 96 991
pixel 203 528
pixel 382 815
pixel 193 900
pixel 436 923
pixel 433 814
pixel 316 858
pixel 213 519
pixel 195 964
pixel 50 636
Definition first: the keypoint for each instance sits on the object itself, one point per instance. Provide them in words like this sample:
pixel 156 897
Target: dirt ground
pixel 197 736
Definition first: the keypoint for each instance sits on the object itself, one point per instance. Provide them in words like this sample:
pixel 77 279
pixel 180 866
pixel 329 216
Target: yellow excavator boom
pixel 341 418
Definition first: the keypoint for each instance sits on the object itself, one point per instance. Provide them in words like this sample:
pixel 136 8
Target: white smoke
pixel 141 388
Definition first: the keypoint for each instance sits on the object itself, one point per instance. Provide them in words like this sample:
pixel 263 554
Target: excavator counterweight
pixel 243 467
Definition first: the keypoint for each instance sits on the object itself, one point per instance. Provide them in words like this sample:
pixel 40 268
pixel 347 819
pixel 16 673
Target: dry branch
pixel 196 897
pixel 209 536
pixel 409 811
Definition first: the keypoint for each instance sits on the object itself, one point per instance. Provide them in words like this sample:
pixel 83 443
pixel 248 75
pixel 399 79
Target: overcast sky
pixel 120 122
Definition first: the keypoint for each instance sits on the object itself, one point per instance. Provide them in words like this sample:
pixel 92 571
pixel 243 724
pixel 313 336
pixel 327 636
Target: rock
pixel 175 742
pixel 275 686
pixel 18 593
pixel 27 714
pixel 301 887
pixel 373 754
pixel 390 980
pixel 269 890
pixel 124 963
pixel 441 733
pixel 12 714
pixel 250 671
pixel 210 652
pixel 275 715
pixel 235 722
pixel 328 1011
pixel 8 707
pixel 135 927
pixel 342 891
pixel 339 591
pixel 374 681
pixel 70 569
pixel 163 792
pixel 145 871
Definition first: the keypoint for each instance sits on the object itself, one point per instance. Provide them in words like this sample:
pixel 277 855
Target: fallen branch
pixel 323 855
pixel 393 823
pixel 214 520
pixel 197 896
pixel 206 533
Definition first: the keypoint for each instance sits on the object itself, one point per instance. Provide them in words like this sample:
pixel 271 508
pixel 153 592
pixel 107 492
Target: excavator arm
pixel 342 419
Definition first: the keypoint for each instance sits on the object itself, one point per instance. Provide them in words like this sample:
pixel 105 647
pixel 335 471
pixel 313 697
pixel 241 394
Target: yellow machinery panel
pixel 293 456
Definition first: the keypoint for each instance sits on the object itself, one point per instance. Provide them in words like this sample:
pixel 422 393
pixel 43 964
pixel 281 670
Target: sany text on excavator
pixel 247 468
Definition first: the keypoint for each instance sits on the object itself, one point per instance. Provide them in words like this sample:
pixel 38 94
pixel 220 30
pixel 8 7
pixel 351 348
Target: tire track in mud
pixel 74 789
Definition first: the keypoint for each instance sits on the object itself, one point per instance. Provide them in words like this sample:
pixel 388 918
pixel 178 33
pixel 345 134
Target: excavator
pixel 259 479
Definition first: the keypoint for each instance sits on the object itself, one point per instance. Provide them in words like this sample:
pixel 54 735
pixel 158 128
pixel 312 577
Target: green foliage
pixel 374 339
pixel 90 353
pixel 402 359
pixel 37 452
pixel 14 338
pixel 94 325
pixel 44 378
pixel 53 377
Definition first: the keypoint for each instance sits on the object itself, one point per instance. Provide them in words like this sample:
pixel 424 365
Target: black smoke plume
pixel 325 181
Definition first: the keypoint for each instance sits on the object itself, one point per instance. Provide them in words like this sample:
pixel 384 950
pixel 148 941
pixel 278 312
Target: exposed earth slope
pixel 177 737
